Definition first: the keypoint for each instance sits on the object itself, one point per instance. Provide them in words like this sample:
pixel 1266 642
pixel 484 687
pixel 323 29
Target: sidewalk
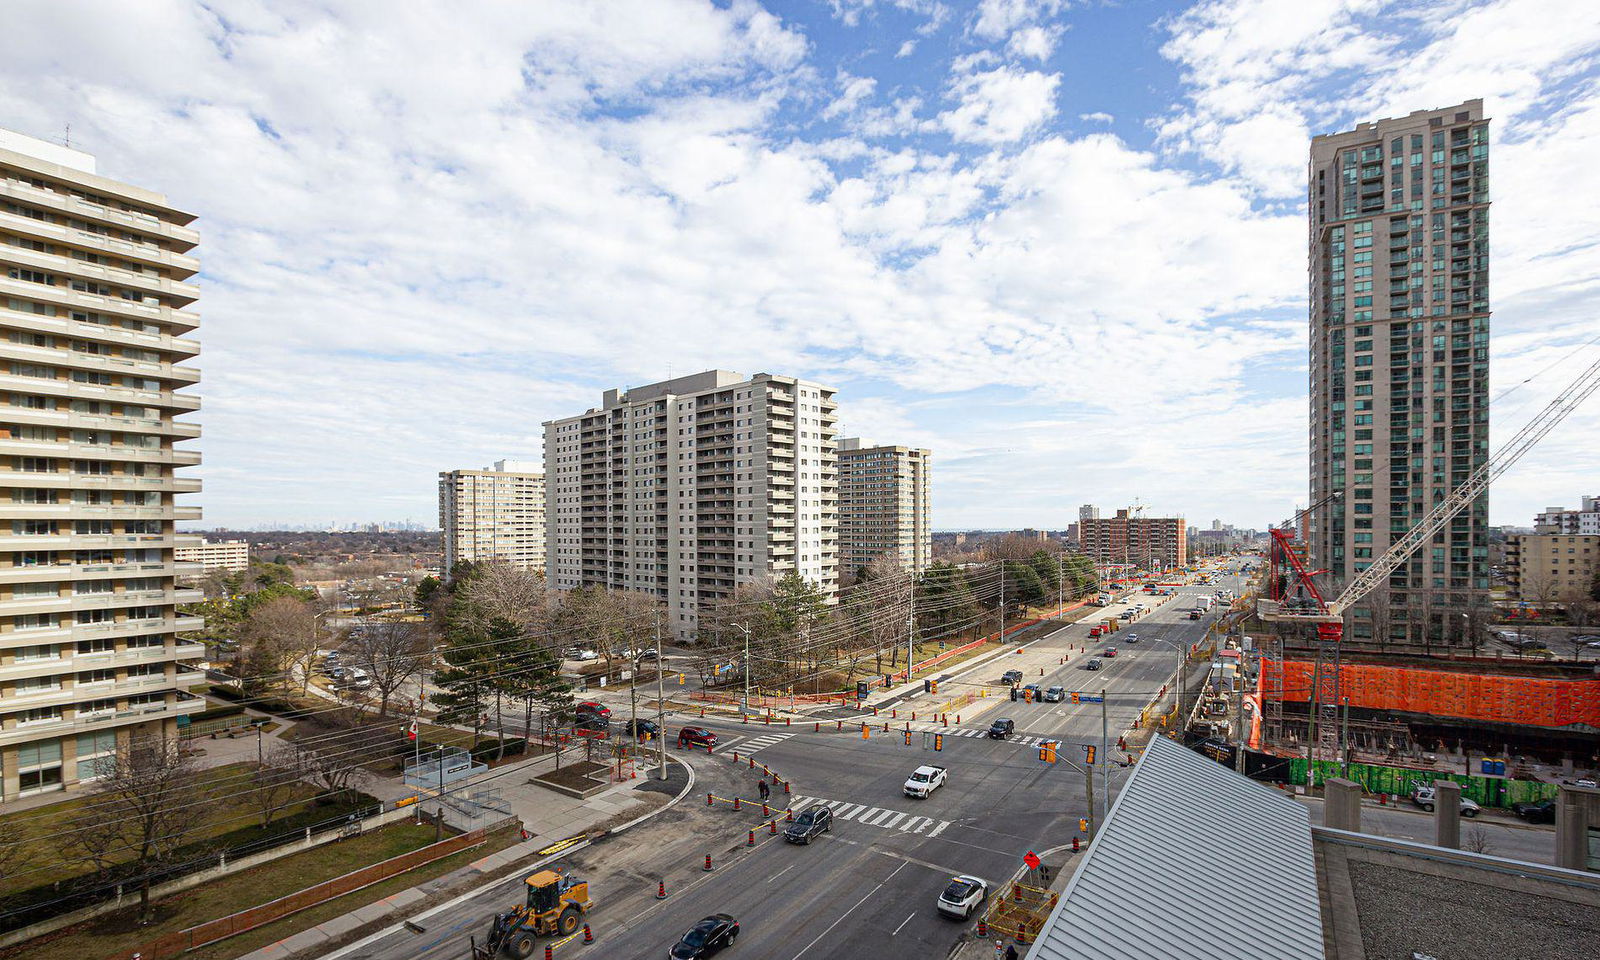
pixel 561 819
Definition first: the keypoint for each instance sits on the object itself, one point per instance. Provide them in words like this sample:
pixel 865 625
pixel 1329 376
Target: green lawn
pixel 40 828
pixel 114 933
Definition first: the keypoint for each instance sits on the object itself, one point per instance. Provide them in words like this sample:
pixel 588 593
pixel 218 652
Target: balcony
pixel 102 720
pixel 182 237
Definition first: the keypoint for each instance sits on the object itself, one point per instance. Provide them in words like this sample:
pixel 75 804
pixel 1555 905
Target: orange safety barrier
pixel 1497 698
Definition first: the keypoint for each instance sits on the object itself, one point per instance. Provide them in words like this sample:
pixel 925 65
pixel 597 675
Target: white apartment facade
pixel 95 297
pixel 1584 521
pixel 496 514
pixel 231 555
pixel 689 487
pixel 883 505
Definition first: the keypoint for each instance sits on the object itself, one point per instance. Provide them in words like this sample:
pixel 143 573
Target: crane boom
pixel 1531 433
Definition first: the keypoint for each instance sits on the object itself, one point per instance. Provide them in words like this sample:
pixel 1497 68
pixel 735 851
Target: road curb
pixel 510 869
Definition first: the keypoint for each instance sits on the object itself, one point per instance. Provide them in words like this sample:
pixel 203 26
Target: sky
pixel 1060 243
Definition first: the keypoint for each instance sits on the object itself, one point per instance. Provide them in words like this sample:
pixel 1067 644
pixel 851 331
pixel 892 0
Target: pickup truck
pixel 924 780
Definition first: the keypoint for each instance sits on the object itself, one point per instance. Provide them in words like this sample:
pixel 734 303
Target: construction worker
pixel 764 790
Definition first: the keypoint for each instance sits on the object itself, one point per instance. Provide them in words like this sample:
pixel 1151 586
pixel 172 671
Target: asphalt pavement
pixel 870 885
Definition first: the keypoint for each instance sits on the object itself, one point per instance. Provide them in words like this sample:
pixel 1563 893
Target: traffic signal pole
pixel 1105 764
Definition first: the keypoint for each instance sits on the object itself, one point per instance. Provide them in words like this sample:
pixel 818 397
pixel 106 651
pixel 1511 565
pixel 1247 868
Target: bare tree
pixel 393 653
pixel 499 591
pixel 13 848
pixel 1380 611
pixel 1476 840
pixel 277 637
pixel 1477 614
pixel 335 769
pixel 148 802
pixel 274 783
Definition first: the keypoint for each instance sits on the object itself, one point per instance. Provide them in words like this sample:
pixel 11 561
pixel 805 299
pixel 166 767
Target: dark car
pixel 1001 729
pixel 706 938
pixel 809 824
pixel 1011 676
pixel 1092 664
pixel 642 728
pixel 696 736
pixel 1542 811
pixel 590 710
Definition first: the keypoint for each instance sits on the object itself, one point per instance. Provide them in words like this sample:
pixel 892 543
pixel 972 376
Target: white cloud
pixel 997 18
pixel 1096 117
pixel 906 49
pixel 1000 106
pixel 1037 43
pixel 853 92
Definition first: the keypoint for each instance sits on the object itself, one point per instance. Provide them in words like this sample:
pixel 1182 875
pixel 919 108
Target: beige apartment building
pixel 96 309
pixel 692 486
pixel 494 514
pixel 1399 254
pixel 1126 537
pixel 883 506
pixel 230 555
pixel 1552 568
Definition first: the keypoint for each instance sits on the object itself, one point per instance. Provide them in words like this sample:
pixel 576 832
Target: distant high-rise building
pixel 690 487
pixel 1584 520
pixel 883 506
pixel 1399 252
pixel 1088 512
pixel 496 514
pixel 1142 541
pixel 95 297
pixel 216 554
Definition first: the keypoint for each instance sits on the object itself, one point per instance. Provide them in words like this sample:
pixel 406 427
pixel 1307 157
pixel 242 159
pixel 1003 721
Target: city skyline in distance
pixel 1062 283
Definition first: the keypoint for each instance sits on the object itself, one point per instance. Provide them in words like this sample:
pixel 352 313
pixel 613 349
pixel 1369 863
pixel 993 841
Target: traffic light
pixel 1047 751
pixel 908 738
pixel 1074 696
pixel 680 679
pixel 933 686
pixel 886 681
pixel 927 686
pixel 1083 824
pixel 1088 753
pixel 938 741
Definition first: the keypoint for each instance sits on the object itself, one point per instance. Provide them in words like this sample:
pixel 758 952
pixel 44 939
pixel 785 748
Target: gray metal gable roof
pixel 1194 861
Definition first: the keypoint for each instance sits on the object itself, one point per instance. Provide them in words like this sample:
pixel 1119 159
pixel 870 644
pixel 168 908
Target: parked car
pixel 696 736
pixel 962 896
pixel 582 655
pixel 1055 694
pixel 1422 796
pixel 706 938
pixel 590 709
pixel 1001 729
pixel 808 825
pixel 1011 676
pixel 1541 811
pixel 924 780
pixel 1093 664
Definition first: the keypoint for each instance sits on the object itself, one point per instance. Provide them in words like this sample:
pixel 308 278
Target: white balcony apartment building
pixel 230 555
pixel 493 515
pixel 94 320
pixel 690 487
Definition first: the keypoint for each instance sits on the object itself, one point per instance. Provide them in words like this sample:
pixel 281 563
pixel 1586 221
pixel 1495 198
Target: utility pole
pixel 1002 636
pixel 745 707
pixel 911 623
pixel 1105 768
pixel 661 710
pixel 1088 790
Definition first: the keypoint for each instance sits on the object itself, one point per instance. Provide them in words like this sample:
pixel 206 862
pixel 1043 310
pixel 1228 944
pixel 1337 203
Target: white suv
pixel 962 896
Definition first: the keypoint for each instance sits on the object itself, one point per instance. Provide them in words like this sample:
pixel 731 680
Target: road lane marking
pixel 781 872
pixel 757 744
pixel 902 924
pixel 847 913
pixel 881 817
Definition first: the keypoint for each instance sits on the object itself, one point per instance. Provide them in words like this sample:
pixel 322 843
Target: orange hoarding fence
pixel 1491 697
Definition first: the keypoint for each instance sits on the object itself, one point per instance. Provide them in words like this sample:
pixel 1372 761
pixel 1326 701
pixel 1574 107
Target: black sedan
pixel 706 938
pixel 643 729
pixel 1541 811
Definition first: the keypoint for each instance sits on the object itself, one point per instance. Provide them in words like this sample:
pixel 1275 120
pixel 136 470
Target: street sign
pixel 1032 860
pixel 1088 698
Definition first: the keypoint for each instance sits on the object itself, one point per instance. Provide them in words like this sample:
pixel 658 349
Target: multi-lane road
pixel 874 879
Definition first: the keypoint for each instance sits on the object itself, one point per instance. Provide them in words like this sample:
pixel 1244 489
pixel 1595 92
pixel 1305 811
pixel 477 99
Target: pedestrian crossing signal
pixel 938 741
pixel 927 686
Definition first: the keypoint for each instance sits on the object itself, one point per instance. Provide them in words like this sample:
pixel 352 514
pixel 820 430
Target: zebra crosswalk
pixel 880 817
pixel 754 744
pixel 1019 741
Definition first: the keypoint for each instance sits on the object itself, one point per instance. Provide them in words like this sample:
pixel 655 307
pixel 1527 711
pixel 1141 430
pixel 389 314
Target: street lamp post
pixel 745 707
